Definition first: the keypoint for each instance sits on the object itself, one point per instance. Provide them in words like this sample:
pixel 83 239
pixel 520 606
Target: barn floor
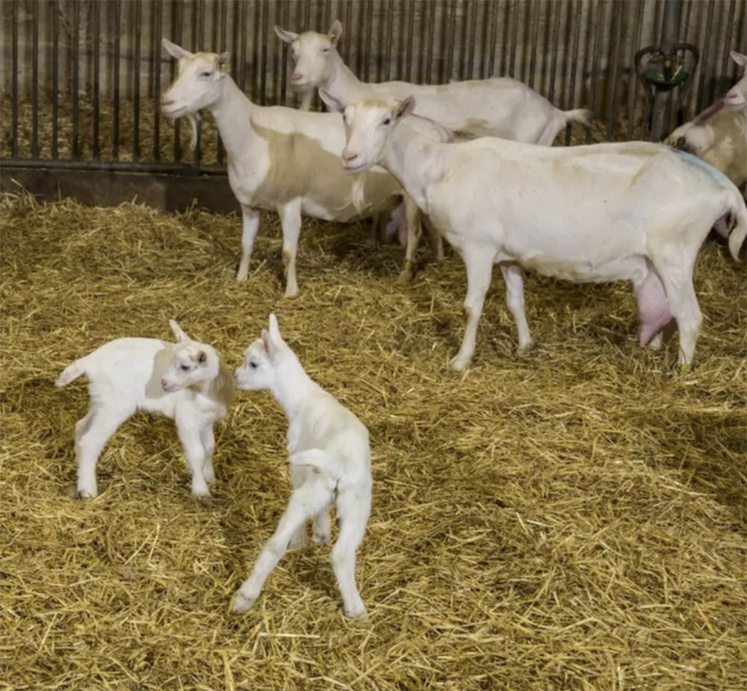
pixel 576 519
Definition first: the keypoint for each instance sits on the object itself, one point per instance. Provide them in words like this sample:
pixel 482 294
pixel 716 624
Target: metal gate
pixel 83 77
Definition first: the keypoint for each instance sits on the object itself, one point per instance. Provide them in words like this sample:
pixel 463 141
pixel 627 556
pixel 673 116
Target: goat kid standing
pixel 330 462
pixel 632 211
pixel 185 381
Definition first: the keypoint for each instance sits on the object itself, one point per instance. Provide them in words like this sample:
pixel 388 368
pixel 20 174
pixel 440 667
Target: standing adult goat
pixel 719 134
pixel 498 107
pixel 278 158
pixel 633 211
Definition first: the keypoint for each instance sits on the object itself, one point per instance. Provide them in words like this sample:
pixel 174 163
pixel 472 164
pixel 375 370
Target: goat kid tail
pixel 71 372
pixel 581 115
pixel 320 459
pixel 738 232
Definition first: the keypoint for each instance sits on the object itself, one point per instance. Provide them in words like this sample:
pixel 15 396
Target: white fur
pixel 607 212
pixel 276 156
pixel 719 134
pixel 330 462
pixel 185 381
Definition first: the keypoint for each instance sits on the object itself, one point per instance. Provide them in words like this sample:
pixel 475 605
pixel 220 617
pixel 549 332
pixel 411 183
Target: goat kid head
pixel 192 364
pixel 198 82
pixel 262 359
pixel 311 53
pixel 368 127
pixel 736 99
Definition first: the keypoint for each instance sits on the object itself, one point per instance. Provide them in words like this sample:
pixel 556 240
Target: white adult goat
pixel 185 381
pixel 498 107
pixel 329 459
pixel 278 158
pixel 606 212
pixel 719 134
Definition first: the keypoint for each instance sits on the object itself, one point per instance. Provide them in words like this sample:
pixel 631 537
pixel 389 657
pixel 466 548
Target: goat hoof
pixel 521 351
pixel 209 475
pixel 459 363
pixel 242 276
pixel 85 494
pixel 405 276
pixel 241 603
pixel 357 613
pixel 291 292
pixel 320 538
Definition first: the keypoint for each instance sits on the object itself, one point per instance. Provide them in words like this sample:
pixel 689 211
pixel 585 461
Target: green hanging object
pixel 667 70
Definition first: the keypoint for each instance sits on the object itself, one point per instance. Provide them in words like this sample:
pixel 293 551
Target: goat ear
pixel 176 51
pixel 739 58
pixel 286 36
pixel 181 337
pixel 275 330
pixel 334 104
pixel 335 31
pixel 404 108
pixel 267 343
pixel 223 62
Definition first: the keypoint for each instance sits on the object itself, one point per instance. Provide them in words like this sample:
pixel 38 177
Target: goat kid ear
pixel 739 58
pixel 275 330
pixel 267 343
pixel 181 337
pixel 334 104
pixel 286 36
pixel 223 63
pixel 404 108
pixel 176 51
pixel 335 31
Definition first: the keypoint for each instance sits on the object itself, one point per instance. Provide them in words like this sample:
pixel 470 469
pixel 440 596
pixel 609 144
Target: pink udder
pixel 653 308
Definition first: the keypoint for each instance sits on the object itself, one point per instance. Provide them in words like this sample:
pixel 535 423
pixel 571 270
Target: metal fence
pixel 84 76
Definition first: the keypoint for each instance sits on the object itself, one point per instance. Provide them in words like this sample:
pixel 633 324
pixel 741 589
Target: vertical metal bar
pixel 533 50
pixel 492 33
pixel 96 20
pixel 369 15
pixel 263 55
pixel 572 64
pixel 35 81
pixel 514 32
pixel 284 56
pixel 663 99
pixel 241 6
pixel 595 49
pixel 431 9
pixel 387 53
pixel 470 45
pixel 116 60
pixel 177 21
pixel 728 45
pixel 633 77
pixel 450 20
pixel 410 38
pixel 221 48
pixel 14 77
pixel 200 11
pixel 554 32
pixel 74 70
pixel 617 18
pixel 138 18
pixel 55 76
pixel 157 19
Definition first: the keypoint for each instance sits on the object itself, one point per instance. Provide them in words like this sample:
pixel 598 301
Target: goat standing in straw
pixel 330 462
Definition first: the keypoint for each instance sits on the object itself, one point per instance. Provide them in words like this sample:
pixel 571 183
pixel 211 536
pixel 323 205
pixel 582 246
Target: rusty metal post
pixel 662 114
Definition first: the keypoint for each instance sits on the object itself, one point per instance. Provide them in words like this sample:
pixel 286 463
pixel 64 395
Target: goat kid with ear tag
pixel 185 381
pixel 330 462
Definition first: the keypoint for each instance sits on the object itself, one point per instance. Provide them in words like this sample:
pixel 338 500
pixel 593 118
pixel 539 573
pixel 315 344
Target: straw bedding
pixel 574 519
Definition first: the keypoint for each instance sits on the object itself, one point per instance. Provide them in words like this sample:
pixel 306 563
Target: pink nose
pixel 296 76
pixel 347 156
pixel 166 101
pixel 164 384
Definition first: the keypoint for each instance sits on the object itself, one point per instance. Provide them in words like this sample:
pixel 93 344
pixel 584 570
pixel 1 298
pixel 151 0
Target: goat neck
pixel 292 385
pixel 232 113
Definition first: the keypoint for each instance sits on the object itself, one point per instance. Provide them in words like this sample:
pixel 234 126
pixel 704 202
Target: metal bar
pixel 35 81
pixel 369 21
pixel 663 100
pixel 389 38
pixel 136 83
pixel 14 78
pixel 242 46
pixel 157 17
pixel 284 23
pixel 451 39
pixel 431 8
pixel 113 166
pixel 617 18
pixel 595 50
pixel 533 49
pixel 469 40
pixel 633 77
pixel 553 41
pixel 263 55
pixel 115 81
pixel 200 10
pixel 725 59
pixel 514 30
pixel 410 39
pixel 177 20
pixel 96 19
pixel 74 69
pixel 572 65
pixel 492 33
pixel 55 76
pixel 222 47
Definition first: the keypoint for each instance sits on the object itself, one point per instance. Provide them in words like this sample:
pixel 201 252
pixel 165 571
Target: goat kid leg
pixel 250 220
pixel 514 279
pixel 353 511
pixel 207 437
pixel 298 475
pixel 414 232
pixel 290 219
pixel 92 433
pixel 479 263
pixel 305 502
pixel 653 310
pixel 190 434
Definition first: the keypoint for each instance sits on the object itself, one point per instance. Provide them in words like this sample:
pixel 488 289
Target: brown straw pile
pixel 574 519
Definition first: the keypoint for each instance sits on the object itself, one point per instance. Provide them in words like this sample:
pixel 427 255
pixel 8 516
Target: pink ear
pixel 266 341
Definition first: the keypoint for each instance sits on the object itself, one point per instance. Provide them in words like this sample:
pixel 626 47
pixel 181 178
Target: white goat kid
pixel 278 158
pixel 719 134
pixel 633 211
pixel 330 462
pixel 185 381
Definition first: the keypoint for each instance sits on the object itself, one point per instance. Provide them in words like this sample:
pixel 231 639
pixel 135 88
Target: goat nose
pixel 164 383
pixel 166 101
pixel 296 76
pixel 347 156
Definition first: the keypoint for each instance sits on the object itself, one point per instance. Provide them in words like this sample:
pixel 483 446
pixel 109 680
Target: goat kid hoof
pixel 320 538
pixel 521 351
pixel 209 475
pixel 85 494
pixel 357 614
pixel 459 364
pixel 291 293
pixel 204 498
pixel 242 604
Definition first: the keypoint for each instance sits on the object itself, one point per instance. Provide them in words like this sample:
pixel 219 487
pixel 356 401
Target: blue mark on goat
pixel 717 175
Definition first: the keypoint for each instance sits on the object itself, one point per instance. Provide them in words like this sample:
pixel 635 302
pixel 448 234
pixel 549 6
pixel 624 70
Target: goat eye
pixel 184 368
pixel 253 365
pixel 205 74
pixel 386 121
pixel 325 50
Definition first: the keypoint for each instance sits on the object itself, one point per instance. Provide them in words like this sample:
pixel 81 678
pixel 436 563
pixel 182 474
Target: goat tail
pixel 738 232
pixel 580 115
pixel 322 460
pixel 71 372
